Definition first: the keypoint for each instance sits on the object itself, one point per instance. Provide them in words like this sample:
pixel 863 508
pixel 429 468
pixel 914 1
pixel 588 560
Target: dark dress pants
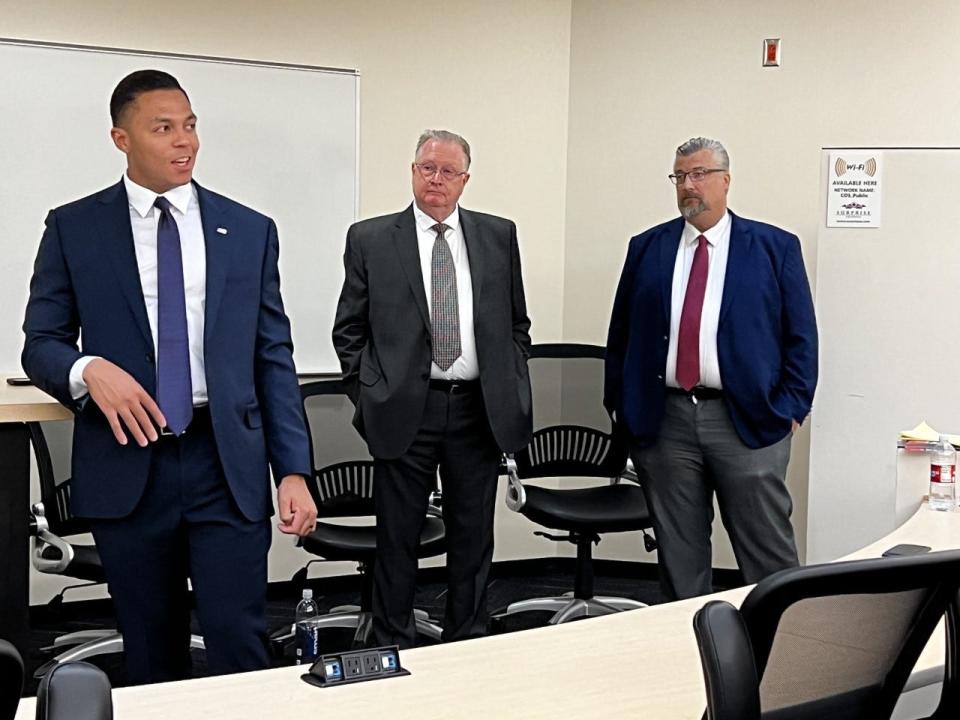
pixel 187 525
pixel 454 436
pixel 698 453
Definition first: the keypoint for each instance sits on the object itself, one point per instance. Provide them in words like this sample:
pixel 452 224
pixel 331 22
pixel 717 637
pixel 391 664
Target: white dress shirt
pixel 144 217
pixel 465 367
pixel 718 246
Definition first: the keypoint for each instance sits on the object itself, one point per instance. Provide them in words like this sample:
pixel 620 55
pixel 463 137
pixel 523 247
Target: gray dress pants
pixel 698 453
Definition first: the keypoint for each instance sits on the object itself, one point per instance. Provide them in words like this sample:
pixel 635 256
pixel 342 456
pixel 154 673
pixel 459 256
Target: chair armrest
pixel 630 472
pixel 726 656
pixel 516 494
pixel 11 672
pixel 42 537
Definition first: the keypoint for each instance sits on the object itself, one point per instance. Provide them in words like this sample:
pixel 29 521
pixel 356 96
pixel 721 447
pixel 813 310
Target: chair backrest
pixel 840 640
pixel 74 691
pixel 571 451
pixel 11 680
pixel 344 489
pixel 54 495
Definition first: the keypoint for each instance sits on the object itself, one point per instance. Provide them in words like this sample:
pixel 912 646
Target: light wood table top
pixel 27 404
pixel 642 663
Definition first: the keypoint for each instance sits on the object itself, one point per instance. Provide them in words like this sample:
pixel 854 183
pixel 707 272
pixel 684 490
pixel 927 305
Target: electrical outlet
pixel 352 665
pixel 371 663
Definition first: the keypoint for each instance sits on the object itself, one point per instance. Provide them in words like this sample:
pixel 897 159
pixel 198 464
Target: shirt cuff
pixel 78 388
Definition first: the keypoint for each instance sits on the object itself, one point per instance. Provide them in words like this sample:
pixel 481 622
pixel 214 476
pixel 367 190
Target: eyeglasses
pixel 696 175
pixel 429 170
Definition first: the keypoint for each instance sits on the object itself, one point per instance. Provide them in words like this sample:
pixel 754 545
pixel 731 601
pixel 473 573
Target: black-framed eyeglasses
pixel 696 175
pixel 429 171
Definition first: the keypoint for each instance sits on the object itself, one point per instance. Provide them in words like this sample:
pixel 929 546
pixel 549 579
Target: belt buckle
pixel 167 432
pixel 693 396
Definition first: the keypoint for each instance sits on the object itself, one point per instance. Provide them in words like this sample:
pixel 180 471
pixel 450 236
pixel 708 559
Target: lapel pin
pixel 222 231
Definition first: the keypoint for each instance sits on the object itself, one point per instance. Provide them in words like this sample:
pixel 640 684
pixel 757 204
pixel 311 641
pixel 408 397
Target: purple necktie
pixel 688 338
pixel 174 388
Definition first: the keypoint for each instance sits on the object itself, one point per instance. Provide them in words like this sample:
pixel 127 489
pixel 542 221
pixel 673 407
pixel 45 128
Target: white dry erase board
pixel 280 138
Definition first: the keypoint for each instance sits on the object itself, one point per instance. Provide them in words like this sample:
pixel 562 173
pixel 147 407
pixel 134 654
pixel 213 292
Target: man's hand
pixel 298 512
pixel 795 427
pixel 124 402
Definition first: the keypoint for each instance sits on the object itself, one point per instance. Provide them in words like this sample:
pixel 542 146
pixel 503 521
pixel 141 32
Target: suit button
pixel 666 337
pixel 659 377
pixel 149 357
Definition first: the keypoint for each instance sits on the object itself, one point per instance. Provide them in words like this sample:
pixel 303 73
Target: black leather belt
pixel 453 387
pixel 698 393
pixel 200 419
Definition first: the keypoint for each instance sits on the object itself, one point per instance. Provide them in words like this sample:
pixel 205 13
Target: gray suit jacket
pixel 382 329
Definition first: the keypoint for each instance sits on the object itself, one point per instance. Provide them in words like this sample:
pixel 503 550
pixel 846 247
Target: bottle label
pixel 306 639
pixel 943 473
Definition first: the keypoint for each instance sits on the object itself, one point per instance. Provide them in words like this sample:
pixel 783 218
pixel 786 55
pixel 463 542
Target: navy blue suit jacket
pixel 766 339
pixel 86 279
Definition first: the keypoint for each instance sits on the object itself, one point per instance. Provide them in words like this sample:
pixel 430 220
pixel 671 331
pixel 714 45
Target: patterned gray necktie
pixel 446 312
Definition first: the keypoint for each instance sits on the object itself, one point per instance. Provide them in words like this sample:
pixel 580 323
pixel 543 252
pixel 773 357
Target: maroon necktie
pixel 688 339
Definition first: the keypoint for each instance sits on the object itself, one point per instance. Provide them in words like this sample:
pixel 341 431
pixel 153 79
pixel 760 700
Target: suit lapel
pixel 113 223
pixel 217 250
pixel 405 240
pixel 740 242
pixel 475 254
pixel 669 246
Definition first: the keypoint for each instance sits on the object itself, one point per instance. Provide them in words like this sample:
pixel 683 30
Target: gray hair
pixel 695 145
pixel 444 136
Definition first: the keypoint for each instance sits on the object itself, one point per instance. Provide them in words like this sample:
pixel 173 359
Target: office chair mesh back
pixel 345 489
pixel 835 652
pixel 571 450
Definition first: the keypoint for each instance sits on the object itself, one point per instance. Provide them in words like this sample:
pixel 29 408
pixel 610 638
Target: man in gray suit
pixel 433 337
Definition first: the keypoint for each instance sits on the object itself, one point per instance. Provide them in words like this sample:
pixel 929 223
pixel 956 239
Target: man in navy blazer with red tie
pixel 184 390
pixel 711 367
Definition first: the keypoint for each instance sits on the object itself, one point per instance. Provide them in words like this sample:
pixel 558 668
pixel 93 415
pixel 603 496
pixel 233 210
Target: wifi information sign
pixel 853 192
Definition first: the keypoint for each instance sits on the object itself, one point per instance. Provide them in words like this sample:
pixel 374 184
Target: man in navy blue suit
pixel 711 367
pixel 184 390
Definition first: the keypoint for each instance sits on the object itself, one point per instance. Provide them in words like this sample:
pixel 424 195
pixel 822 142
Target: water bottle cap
pixel 308 594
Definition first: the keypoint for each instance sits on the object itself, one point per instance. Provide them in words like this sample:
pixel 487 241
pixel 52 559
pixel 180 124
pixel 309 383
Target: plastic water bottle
pixel 306 628
pixel 943 475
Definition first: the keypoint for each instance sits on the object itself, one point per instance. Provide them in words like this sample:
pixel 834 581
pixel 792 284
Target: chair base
pixel 100 642
pixel 351 617
pixel 567 607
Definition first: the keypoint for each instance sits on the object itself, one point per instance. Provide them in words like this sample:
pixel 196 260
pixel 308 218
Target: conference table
pixel 18 405
pixel 641 663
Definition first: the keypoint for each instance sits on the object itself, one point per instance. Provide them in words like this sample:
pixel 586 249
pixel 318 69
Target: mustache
pixel 687 196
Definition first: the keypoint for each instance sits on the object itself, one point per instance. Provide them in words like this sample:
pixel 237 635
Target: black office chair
pixel 830 641
pixel 57 551
pixel 345 490
pixel 573 451
pixel 71 691
pixel 74 691
pixel 11 680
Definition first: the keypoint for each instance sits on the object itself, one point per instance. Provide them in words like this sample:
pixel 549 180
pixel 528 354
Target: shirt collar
pixel 714 235
pixel 141 199
pixel 425 222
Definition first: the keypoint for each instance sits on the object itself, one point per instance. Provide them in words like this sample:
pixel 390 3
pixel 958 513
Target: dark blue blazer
pixel 86 279
pixel 766 339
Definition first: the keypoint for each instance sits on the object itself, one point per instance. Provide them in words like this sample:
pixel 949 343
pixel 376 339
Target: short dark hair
pixel 134 85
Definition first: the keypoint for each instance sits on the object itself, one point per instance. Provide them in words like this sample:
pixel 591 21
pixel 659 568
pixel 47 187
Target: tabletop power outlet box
pixel 351 667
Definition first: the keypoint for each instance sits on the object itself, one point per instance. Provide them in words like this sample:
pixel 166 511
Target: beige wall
pixel 574 108
pixel 647 75
pixel 495 71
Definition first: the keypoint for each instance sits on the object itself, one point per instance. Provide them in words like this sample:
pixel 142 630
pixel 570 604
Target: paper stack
pixel 925 433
